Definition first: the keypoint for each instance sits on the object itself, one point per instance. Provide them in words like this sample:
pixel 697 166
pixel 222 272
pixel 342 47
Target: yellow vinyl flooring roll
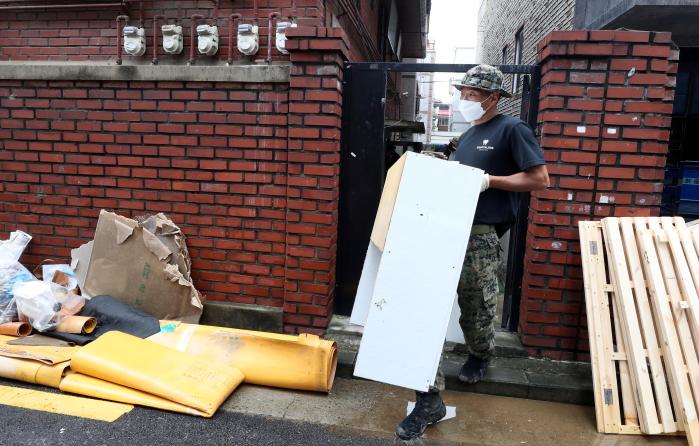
pixel 303 362
pixel 31 371
pixel 62 404
pixel 161 371
pixel 89 386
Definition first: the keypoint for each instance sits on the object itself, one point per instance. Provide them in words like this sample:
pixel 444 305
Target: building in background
pixel 508 33
pixel 425 89
pixel 462 55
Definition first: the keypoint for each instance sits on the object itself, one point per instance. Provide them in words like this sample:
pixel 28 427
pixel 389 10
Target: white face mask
pixel 471 110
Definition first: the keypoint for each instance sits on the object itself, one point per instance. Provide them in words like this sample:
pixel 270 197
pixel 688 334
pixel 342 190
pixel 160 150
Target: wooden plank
pixel 684 276
pixel 691 256
pixel 604 380
pixel 674 295
pixel 630 328
pixel 695 239
pixel 627 390
pixel 630 430
pixel 662 396
pixel 685 408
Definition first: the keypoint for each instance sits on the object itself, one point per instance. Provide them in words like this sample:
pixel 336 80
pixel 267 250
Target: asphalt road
pixel 146 427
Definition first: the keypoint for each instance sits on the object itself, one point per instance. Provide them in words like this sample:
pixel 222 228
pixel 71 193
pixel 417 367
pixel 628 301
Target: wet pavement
pixel 480 419
pixel 356 412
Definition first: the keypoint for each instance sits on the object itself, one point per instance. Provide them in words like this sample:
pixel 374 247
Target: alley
pixel 355 413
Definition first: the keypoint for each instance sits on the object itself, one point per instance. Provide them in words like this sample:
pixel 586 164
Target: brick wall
pixel 249 170
pixel 498 22
pixel 209 155
pixel 315 115
pixel 605 111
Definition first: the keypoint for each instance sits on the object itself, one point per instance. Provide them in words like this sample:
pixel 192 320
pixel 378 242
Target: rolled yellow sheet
pixel 303 362
pixel 143 365
pixel 16 329
pixel 33 372
pixel 89 386
pixel 77 325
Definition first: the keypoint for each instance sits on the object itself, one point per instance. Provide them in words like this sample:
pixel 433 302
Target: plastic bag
pixel 66 276
pixel 46 304
pixel 12 273
pixel 12 248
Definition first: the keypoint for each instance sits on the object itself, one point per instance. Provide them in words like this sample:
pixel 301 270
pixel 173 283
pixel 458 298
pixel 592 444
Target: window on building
pixel 519 44
pixel 504 55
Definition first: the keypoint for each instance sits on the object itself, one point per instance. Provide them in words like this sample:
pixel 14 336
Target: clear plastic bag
pixel 12 248
pixel 12 273
pixel 46 304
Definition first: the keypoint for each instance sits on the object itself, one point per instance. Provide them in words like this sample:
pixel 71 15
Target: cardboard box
pixel 144 264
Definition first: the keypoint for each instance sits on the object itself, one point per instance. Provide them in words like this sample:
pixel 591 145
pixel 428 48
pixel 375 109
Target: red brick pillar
pixel 605 111
pixel 315 115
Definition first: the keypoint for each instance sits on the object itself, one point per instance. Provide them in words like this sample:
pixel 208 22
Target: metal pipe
pixel 140 15
pixel 125 18
pixel 255 10
pixel 231 27
pixel 272 18
pixel 155 37
pixel 71 6
pixel 192 31
pixel 215 20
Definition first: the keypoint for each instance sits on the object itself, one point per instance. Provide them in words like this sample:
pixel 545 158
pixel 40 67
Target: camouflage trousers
pixel 477 297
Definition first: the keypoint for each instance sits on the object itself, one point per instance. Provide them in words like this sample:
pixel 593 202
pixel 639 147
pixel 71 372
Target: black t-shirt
pixel 502 146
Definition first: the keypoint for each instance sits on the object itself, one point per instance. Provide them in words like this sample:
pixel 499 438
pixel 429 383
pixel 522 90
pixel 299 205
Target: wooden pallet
pixel 641 279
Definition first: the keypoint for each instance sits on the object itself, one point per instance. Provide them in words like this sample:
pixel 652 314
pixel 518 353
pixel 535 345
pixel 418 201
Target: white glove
pixel 485 184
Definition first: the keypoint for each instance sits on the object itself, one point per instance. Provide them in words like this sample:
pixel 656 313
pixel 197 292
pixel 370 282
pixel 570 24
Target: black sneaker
pixel 429 408
pixel 473 370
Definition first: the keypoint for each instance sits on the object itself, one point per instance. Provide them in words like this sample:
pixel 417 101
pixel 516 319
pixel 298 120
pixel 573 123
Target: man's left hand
pixel 485 184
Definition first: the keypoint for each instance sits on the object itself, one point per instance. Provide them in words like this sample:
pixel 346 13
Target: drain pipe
pixel 193 31
pixel 232 20
pixel 125 18
pixel 155 37
pixel 140 14
pixel 215 19
pixel 272 18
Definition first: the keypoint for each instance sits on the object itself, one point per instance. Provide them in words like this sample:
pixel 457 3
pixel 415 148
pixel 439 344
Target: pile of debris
pixel 641 289
pixel 120 324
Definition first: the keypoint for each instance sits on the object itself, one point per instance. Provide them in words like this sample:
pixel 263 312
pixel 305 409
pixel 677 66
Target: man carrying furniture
pixel 507 150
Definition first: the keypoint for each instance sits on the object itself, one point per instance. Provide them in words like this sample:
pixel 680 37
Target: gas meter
pixel 172 39
pixel 281 36
pixel 208 39
pixel 134 41
pixel 248 39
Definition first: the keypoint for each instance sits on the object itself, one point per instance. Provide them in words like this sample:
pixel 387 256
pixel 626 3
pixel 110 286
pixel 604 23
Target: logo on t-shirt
pixel 485 147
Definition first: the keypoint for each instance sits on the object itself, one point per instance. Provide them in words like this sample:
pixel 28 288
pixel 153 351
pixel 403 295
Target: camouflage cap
pixel 483 77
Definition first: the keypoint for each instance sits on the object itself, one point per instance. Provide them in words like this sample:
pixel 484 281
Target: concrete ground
pixel 375 409
pixel 356 412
